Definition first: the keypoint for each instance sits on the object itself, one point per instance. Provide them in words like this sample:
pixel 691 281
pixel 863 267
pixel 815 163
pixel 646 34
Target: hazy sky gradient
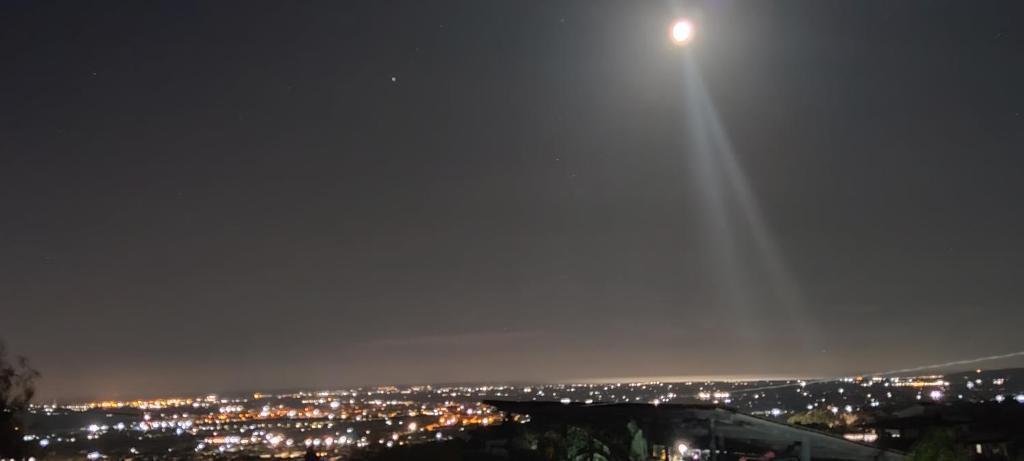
pixel 227 195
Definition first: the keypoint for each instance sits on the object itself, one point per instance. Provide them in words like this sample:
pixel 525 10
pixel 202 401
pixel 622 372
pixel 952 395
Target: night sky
pixel 208 196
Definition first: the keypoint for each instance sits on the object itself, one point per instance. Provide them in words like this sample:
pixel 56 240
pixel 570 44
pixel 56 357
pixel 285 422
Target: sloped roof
pixel 693 421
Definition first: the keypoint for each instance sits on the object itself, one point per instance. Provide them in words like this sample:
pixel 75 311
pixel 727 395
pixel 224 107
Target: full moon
pixel 682 32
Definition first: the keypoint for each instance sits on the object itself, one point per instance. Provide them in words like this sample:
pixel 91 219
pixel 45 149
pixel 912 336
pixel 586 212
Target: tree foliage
pixel 939 445
pixel 17 387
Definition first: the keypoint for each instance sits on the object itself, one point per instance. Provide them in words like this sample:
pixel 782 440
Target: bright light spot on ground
pixel 682 32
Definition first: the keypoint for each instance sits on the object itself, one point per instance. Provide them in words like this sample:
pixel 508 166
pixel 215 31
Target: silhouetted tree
pixel 311 455
pixel 939 445
pixel 17 387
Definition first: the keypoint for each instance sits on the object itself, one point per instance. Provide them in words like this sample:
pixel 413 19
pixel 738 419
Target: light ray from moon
pixel 749 266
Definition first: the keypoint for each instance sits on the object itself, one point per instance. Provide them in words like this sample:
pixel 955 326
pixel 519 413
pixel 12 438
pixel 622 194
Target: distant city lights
pixel 285 424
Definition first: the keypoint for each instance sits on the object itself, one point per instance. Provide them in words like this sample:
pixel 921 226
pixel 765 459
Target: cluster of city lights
pixel 287 424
